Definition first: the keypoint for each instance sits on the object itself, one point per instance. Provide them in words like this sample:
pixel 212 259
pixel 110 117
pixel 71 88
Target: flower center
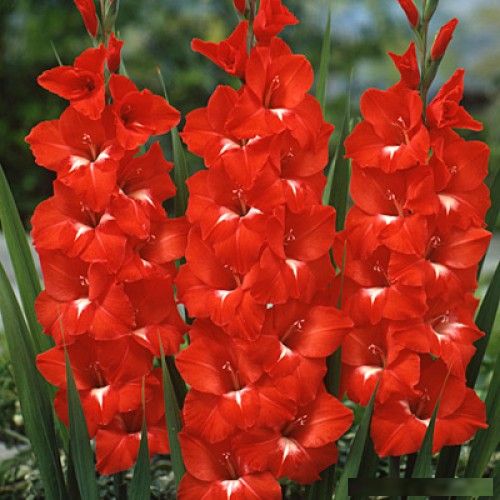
pixel 228 367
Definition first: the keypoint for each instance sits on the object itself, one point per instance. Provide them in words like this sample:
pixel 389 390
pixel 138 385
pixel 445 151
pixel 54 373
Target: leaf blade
pixel 172 420
pixel 324 62
pixel 181 167
pixel 486 440
pixel 355 456
pixel 32 391
pixel 141 480
pixel 336 191
pixel 22 262
pixel 79 441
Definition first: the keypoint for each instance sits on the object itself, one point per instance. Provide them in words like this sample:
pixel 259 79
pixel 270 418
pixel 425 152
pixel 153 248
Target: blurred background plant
pixel 158 33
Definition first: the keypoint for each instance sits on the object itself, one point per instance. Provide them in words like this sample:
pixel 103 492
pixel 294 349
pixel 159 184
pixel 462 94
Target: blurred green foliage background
pixel 158 33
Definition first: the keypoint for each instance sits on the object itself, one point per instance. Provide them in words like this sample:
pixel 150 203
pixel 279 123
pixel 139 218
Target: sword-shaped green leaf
pixel 181 168
pixel 324 63
pixel 351 468
pixel 141 480
pixel 492 215
pixel 173 420
pixel 486 440
pixel 423 463
pixel 22 262
pixel 485 318
pixel 336 191
pixel 33 392
pixel 79 441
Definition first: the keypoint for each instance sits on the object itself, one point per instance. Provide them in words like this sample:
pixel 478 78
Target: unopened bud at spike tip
pixel 443 39
pixel 411 12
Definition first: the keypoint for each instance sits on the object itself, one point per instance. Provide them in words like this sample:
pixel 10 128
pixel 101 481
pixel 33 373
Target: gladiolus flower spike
pixel 414 238
pixel 107 250
pixel 257 275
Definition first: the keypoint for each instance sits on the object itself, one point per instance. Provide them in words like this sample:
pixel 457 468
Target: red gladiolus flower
pixel 411 12
pixel 230 54
pixel 83 152
pixel 399 425
pixel 407 66
pixel 107 251
pixel 139 115
pixel 117 443
pixel 256 276
pixel 303 447
pixel 89 15
pixel 410 250
pixel 219 471
pixel 272 17
pixel 392 136
pixel 443 39
pixel 445 111
pixel 82 84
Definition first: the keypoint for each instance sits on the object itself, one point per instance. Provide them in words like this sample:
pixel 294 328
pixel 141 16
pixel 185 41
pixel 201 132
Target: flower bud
pixel 114 53
pixel 240 5
pixel 443 39
pixel 89 15
pixel 411 12
pixel 430 8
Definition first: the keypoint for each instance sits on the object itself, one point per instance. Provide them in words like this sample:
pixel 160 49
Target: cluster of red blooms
pixel 257 264
pixel 413 242
pixel 107 250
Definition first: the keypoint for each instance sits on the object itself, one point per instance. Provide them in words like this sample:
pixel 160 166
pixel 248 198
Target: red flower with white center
pixel 100 370
pixel 157 318
pixel 231 218
pixel 384 285
pixel 297 242
pixel 155 256
pixel 447 331
pixel 445 110
pixel 81 84
pixel 302 447
pixel 210 288
pixel 231 54
pixel 82 152
pixel 452 254
pixel 78 298
pixel 117 443
pixel 144 184
pixel 219 374
pixel 369 357
pixel 218 472
pixel 208 134
pixel 300 330
pixel 394 207
pixel 271 18
pixel 276 82
pixel 459 173
pixel 139 114
pixel 392 136
pixel 64 223
pixel 399 424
